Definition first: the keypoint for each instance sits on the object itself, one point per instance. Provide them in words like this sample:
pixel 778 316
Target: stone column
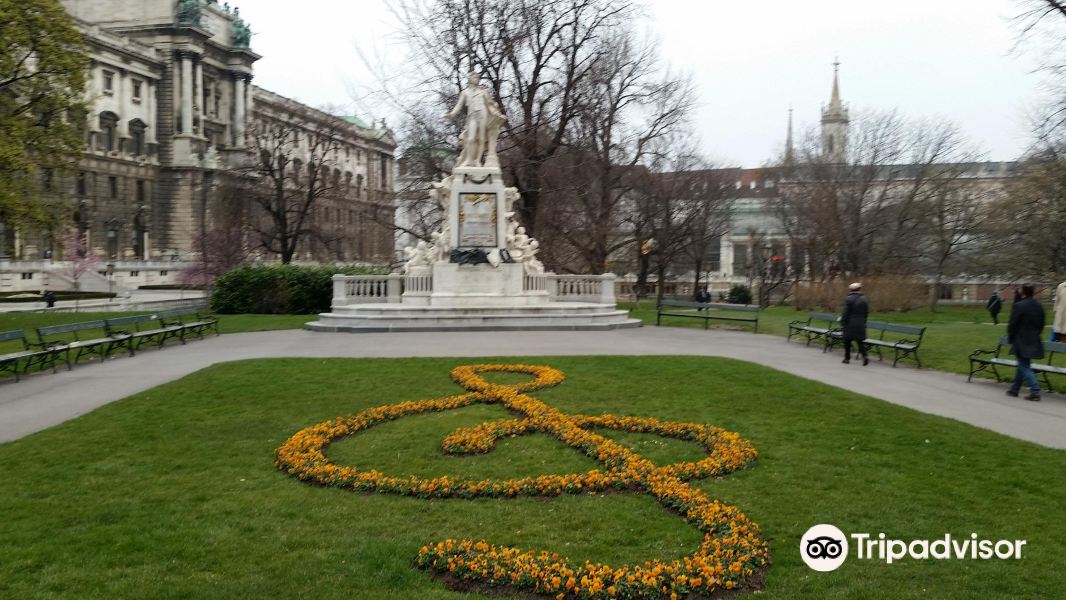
pixel 239 106
pixel 198 94
pixel 726 256
pixel 149 110
pixel 186 93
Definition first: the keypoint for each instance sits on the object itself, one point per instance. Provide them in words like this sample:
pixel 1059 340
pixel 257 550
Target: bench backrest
pixel 176 313
pixel 7 336
pixel 1054 348
pixel 132 320
pixel 69 328
pixel 817 316
pixel 710 305
pixel 896 328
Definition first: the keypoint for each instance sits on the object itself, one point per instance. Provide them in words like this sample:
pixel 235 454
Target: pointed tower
pixel 835 123
pixel 790 155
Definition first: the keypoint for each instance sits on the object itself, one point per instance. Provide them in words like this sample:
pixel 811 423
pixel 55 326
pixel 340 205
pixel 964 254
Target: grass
pixel 953 331
pixel 172 493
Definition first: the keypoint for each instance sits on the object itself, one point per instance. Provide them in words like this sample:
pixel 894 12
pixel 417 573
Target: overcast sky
pixel 749 61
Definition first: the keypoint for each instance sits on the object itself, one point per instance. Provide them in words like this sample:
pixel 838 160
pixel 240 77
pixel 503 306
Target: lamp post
pixel 110 278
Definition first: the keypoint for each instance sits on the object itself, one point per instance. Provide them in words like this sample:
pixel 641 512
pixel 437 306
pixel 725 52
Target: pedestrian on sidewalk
pixel 1024 331
pixel 49 299
pixel 994 305
pixel 1058 327
pixel 853 322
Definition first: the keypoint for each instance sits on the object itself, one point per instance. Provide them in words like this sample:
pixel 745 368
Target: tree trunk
pixel 696 280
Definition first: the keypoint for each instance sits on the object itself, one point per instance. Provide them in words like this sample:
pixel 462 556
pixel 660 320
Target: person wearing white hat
pixel 853 323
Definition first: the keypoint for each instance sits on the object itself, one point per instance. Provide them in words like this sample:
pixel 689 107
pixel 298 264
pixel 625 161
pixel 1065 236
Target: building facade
pixel 171 107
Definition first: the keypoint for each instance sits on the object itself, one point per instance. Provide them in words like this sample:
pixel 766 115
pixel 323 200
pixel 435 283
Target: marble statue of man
pixel 483 121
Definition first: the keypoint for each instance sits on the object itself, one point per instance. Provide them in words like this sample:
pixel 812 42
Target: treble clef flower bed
pixel 731 556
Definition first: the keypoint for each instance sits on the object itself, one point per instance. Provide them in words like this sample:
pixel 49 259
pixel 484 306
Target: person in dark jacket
pixel 994 305
pixel 853 323
pixel 1024 330
pixel 49 299
pixel 703 296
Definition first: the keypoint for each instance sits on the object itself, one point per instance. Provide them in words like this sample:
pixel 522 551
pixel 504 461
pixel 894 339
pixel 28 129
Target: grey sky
pixel 750 61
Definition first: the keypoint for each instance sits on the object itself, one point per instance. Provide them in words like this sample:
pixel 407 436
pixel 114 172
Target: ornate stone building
pixel 171 107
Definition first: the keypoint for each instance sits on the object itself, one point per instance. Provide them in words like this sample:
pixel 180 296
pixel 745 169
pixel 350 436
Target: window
pixel 26 276
pixel 79 185
pixel 136 87
pixel 297 170
pixel 139 191
pixel 162 273
pixel 358 184
pixel 108 124
pixel 112 243
pixel 109 83
pixel 137 147
pixel 135 273
pixel 112 186
pixel 384 171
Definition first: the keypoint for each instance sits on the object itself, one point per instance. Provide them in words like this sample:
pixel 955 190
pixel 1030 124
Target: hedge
pixel 280 289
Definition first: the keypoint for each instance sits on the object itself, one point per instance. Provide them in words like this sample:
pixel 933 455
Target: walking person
pixel 853 322
pixel 1058 327
pixel 1024 331
pixel 994 305
pixel 703 296
pixel 49 299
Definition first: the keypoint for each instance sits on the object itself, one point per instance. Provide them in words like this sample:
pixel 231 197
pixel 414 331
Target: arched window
pixel 137 146
pixel 358 185
pixel 297 170
pixel 108 126
pixel 347 182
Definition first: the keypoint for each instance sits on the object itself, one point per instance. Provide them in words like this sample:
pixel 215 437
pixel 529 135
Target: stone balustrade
pixel 581 288
pixel 389 289
pixel 366 289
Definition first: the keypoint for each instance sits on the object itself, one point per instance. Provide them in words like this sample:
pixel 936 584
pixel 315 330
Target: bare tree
pixel 290 175
pixel 629 107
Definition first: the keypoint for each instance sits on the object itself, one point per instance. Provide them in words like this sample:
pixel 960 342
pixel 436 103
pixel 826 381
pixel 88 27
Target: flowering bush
pixel 730 555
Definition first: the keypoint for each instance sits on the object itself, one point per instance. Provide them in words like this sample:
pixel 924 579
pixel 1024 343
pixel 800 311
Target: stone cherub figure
pixel 482 127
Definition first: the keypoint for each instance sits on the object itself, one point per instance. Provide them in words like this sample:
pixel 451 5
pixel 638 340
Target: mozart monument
pixel 480 270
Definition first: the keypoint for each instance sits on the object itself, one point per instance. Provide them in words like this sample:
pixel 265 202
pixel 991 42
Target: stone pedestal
pixel 482 285
pixel 476 208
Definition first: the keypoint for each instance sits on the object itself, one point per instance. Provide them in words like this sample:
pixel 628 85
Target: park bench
pixel 143 329
pixel 902 347
pixel 708 312
pixel 67 338
pixel 11 361
pixel 191 320
pixel 818 325
pixel 981 360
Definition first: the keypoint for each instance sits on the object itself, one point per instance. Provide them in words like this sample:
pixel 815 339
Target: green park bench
pixel 708 312
pixel 981 360
pixel 143 329
pixel 902 347
pixel 816 326
pixel 84 339
pixel 25 358
pixel 191 320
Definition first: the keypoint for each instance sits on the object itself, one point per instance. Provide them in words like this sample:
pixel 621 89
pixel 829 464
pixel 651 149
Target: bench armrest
pixel 980 352
pixel 908 341
pixel 799 322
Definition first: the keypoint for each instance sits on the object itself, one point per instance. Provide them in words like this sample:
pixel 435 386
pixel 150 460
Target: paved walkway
pixel 42 401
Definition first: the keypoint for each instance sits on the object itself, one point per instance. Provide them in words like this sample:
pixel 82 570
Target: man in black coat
pixel 853 322
pixel 1025 329
pixel 994 305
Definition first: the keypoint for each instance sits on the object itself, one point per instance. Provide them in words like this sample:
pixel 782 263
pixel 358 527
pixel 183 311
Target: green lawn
pixel 953 332
pixel 173 493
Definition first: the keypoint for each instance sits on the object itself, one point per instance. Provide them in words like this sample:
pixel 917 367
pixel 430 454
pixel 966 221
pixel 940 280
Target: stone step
pixel 389 328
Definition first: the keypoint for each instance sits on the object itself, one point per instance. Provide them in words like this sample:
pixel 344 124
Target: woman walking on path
pixel 1024 331
pixel 853 322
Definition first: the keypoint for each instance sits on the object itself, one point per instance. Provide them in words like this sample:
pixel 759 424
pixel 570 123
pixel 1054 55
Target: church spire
pixel 834 102
pixel 789 152
pixel 835 122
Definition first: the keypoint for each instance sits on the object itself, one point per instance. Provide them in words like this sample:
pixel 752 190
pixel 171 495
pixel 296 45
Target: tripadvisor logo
pixel 825 547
